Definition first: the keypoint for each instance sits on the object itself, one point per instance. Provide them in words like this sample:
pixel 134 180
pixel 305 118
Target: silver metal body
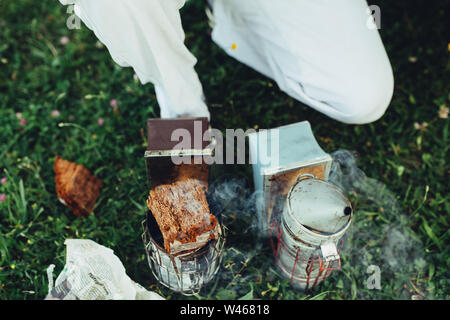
pixel 306 255
pixel 306 217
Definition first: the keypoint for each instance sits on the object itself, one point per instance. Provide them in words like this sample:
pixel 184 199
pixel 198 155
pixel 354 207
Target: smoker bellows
pixel 307 216
pixel 182 238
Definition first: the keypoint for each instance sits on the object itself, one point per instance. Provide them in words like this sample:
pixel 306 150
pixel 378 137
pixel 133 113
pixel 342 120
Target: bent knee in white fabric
pixel 368 100
pixel 364 101
pixel 319 52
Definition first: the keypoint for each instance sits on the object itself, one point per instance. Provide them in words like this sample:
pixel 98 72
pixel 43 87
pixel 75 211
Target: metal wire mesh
pixel 185 273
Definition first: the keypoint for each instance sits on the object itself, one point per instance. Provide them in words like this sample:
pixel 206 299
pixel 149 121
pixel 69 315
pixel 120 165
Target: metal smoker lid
pixel 319 205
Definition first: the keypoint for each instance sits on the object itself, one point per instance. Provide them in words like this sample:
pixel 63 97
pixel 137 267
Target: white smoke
pixel 381 233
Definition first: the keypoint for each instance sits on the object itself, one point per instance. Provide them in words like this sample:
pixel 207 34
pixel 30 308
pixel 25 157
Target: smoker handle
pixel 299 179
pixel 306 176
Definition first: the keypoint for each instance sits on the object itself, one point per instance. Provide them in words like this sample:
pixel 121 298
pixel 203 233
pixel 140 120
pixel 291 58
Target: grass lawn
pixel 50 81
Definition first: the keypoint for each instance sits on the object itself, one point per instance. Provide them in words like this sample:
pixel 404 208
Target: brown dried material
pixel 76 187
pixel 282 183
pixel 181 210
pixel 191 171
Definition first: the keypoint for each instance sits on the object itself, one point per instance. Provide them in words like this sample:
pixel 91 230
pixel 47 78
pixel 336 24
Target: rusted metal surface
pixel 308 230
pixel 298 153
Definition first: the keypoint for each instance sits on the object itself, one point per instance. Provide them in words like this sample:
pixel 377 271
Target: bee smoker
pixel 314 218
pixel 306 216
pixel 187 272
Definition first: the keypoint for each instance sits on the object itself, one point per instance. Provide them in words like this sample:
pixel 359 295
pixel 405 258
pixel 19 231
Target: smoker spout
pixel 347 211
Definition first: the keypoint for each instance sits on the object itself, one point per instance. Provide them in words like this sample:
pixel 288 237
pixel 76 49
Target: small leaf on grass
pixel 60 96
pixel 430 271
pixel 226 294
pixel 419 142
pixel 248 296
pixel 430 233
pixel 4 253
pixel 23 202
pixel 320 296
pixel 140 206
pixel 354 289
pixel 426 157
pixel 400 170
pixel 22 193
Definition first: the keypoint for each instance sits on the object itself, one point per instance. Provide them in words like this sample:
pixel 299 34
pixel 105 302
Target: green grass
pixel 38 75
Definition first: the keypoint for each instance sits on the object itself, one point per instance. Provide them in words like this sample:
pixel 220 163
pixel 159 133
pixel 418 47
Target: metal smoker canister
pixel 314 218
pixel 188 272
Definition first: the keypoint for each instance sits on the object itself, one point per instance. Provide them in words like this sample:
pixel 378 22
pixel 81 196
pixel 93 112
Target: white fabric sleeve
pixel 148 36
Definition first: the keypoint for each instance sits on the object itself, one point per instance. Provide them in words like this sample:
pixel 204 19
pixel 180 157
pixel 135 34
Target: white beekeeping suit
pixel 320 52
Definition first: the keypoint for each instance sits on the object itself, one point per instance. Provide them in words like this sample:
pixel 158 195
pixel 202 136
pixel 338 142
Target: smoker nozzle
pixel 347 211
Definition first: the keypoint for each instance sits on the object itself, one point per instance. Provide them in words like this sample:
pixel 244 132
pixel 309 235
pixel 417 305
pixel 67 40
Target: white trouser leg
pixel 148 36
pixel 320 52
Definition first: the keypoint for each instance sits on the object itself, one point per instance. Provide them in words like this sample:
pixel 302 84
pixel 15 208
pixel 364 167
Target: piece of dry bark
pixel 76 187
pixel 181 211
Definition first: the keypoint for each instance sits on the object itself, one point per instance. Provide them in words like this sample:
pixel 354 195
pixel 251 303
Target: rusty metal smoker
pixel 185 273
pixel 306 216
pixel 314 218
